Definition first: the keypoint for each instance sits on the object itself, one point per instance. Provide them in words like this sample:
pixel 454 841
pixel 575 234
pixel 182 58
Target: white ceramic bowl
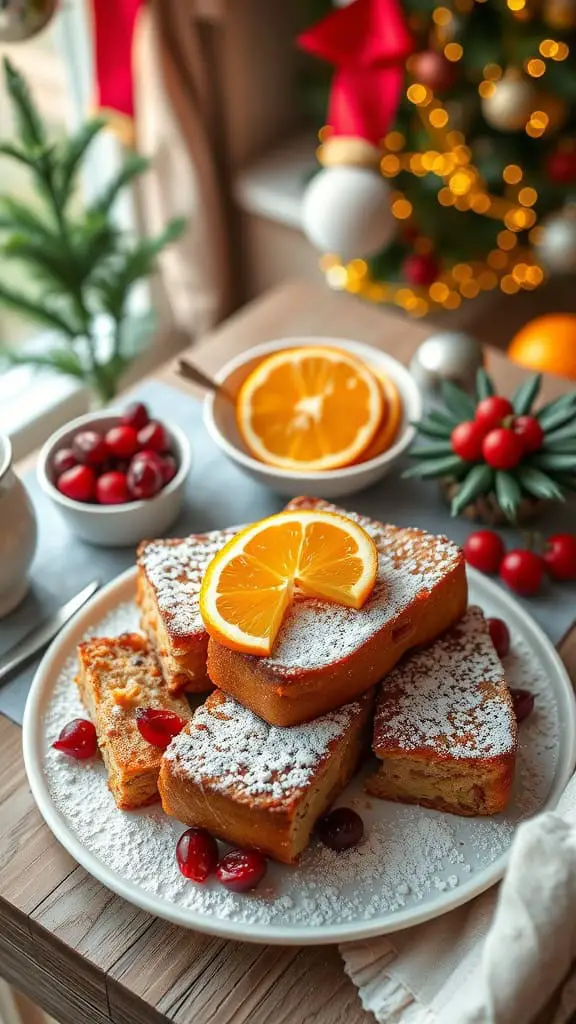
pixel 115 525
pixel 220 422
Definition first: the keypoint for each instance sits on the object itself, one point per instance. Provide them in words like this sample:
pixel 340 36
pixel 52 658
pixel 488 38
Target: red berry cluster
pixel 523 570
pixel 496 435
pixel 198 857
pixel 129 462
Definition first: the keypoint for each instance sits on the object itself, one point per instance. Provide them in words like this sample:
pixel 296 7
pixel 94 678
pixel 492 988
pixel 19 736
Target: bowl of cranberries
pixel 116 477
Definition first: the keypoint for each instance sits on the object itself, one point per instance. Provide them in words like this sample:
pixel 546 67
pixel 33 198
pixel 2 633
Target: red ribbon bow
pixel 369 42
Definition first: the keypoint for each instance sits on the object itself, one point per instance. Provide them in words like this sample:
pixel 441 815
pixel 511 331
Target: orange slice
pixel 309 409
pixel 249 584
pixel 388 429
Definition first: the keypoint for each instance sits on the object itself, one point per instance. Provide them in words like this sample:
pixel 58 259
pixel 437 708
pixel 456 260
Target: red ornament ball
pixel 484 550
pixel 432 69
pixel 420 269
pixel 530 433
pixel 560 557
pixel 491 411
pixel 523 572
pixel 502 449
pixel 560 166
pixel 466 440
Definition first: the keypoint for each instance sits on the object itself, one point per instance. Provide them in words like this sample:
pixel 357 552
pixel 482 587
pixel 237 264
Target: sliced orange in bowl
pixel 310 408
pixel 249 584
pixel 387 431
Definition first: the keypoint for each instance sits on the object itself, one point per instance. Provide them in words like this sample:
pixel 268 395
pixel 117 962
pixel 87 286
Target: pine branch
pixel 30 127
pixel 73 153
pixel 134 165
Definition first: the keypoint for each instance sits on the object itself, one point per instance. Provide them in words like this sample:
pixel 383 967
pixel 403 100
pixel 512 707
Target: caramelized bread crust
pixel 445 730
pixel 116 676
pixel 327 655
pixel 255 785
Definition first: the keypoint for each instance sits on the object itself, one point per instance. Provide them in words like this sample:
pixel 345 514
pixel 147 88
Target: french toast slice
pixel 116 676
pixel 445 730
pixel 327 655
pixel 257 785
pixel 169 578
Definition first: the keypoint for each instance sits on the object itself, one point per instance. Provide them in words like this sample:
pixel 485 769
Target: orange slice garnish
pixel 249 584
pixel 388 429
pixel 309 409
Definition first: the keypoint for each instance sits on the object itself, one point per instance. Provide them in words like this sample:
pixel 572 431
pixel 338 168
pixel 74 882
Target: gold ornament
pixel 347 151
pixel 508 103
pixel 22 19
pixel 560 14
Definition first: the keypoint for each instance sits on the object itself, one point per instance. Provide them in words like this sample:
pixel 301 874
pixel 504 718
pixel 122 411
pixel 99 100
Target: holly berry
pixel 502 449
pixel 560 556
pixel 523 702
pixel 531 435
pixel 522 571
pixel 90 448
pixel 500 636
pixel 466 440
pixel 432 68
pixel 241 870
pixel 144 477
pixel 341 829
pixel 63 460
pixel 154 437
pixel 158 726
pixel 122 441
pixel 77 739
pixel 135 415
pixel 484 550
pixel 78 483
pixel 491 411
pixel 112 488
pixel 197 854
pixel 420 269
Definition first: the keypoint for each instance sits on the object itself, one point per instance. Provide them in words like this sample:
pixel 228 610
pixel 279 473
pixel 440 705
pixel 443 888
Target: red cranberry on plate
pixel 523 702
pixel 90 448
pixel 144 477
pixel 197 854
pixel 77 739
pixel 500 636
pixel 491 411
pixel 158 726
pixel 154 437
pixel 241 870
pixel 78 483
pixel 122 441
pixel 341 829
pixel 484 550
pixel 112 488
pixel 135 415
pixel 63 460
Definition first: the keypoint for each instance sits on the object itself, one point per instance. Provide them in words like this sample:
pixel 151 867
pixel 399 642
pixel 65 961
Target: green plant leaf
pixel 15 216
pixel 562 434
pixel 430 451
pixel 558 447
pixel 42 312
pixel 556 414
pixel 28 120
pixel 444 419
pixel 526 394
pixel 61 359
pixel 48 260
pixel 134 165
pixel 537 483
pixel 457 401
pixel 508 494
pixel 15 153
pixel 552 462
pixel 484 386
pixel 428 428
pixel 435 467
pixel 73 152
pixel 479 480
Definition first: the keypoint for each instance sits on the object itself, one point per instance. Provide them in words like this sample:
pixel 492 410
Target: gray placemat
pixel 218 495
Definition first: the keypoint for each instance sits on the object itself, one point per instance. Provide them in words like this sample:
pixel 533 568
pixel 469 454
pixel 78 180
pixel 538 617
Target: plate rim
pixel 303 935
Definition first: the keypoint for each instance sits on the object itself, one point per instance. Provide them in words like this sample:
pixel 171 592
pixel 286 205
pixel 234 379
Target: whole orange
pixel 547 344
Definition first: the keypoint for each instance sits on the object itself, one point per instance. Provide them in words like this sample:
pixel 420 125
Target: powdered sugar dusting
pixel 410 856
pixel 453 703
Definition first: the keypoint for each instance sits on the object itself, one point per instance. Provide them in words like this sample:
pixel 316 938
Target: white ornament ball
pixel 556 248
pixel 510 104
pixel 447 355
pixel 346 210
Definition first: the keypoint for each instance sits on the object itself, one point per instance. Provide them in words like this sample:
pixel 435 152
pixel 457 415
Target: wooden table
pixel 81 952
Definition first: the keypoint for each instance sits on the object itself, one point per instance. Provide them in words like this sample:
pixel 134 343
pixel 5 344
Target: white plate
pixel 415 864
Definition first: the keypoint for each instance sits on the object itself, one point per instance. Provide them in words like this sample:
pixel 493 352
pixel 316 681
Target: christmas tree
pixel 457 120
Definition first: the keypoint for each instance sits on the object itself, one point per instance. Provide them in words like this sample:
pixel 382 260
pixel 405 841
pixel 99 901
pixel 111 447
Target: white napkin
pixel 496 960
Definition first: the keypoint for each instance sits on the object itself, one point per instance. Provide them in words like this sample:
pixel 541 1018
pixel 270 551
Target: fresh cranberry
pixel 144 477
pixel 341 829
pixel 500 636
pixel 112 488
pixel 484 550
pixel 78 483
pixel 122 441
pixel 523 702
pixel 241 870
pixel 197 854
pixel 523 571
pixel 466 440
pixel 560 556
pixel 90 448
pixel 169 468
pixel 502 449
pixel 491 411
pixel 135 415
pixel 157 726
pixel 530 433
pixel 63 460
pixel 77 739
pixel 154 437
